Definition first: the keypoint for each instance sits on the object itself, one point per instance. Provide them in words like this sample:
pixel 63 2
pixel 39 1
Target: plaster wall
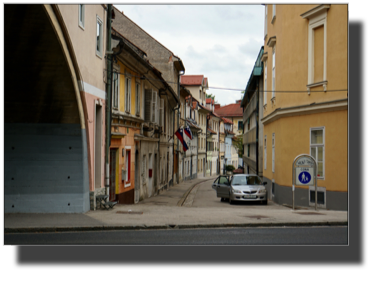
pixel 291 141
pixel 84 41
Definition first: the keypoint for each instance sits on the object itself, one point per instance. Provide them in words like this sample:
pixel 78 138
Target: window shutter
pixel 162 112
pixel 154 107
pixel 137 99
pixel 128 95
pixel 148 105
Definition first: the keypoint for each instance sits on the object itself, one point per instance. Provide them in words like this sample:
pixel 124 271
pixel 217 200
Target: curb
pixel 186 194
pixel 169 227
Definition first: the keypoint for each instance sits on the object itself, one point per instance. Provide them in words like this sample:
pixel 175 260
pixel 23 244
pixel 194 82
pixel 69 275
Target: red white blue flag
pixel 179 134
pixel 188 132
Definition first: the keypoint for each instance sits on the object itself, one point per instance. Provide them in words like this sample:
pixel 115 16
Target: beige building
pixel 305 100
pixel 197 85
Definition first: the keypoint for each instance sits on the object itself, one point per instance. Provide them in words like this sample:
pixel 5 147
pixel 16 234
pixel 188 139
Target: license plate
pixel 249 196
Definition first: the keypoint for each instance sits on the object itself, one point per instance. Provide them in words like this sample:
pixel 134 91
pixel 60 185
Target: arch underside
pixel 45 150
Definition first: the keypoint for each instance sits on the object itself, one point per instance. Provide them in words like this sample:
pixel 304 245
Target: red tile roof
pixel 227 121
pixel 231 110
pixel 211 131
pixel 192 80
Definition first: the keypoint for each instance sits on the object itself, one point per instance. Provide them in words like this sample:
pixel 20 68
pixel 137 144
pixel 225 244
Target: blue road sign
pixel 304 177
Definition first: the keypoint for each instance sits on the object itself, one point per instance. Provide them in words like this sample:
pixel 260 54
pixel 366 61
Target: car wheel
pixel 265 202
pixel 222 199
pixel 230 200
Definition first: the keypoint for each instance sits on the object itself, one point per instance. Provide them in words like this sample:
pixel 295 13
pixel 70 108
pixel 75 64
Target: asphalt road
pixel 217 236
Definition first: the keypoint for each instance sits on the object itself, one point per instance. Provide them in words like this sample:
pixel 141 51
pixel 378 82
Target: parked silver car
pixel 240 187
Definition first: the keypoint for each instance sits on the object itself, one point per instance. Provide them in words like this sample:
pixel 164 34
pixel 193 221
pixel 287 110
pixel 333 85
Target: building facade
pixel 305 100
pixel 171 68
pixel 253 113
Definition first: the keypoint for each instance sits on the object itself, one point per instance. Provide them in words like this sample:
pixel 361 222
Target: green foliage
pixel 230 168
pixel 238 144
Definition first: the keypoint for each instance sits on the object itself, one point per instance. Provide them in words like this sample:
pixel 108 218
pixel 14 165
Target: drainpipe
pixel 108 100
pixel 110 57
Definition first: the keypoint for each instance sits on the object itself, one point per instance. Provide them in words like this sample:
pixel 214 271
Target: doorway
pixel 113 171
pixel 98 147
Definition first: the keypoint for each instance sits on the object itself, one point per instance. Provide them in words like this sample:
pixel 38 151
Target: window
pixel 317 45
pixel 317 149
pixel 321 196
pixel 265 82
pixel 127 181
pixel 81 16
pixel 248 122
pixel 99 37
pixel 248 149
pixel 265 152
pixel 128 95
pixel 240 125
pixel 266 20
pixel 273 70
pixel 137 99
pixel 273 152
pixel 143 171
pixel 115 88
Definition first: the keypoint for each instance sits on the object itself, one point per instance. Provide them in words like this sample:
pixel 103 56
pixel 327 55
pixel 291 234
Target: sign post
pixel 304 173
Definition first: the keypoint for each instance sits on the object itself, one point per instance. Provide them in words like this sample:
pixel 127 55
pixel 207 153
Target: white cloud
pixel 219 41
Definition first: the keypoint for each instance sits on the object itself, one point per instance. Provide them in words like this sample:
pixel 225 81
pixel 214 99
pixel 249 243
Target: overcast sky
pixel 220 42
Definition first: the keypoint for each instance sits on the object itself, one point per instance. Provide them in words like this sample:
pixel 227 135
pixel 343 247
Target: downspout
pixel 177 108
pixel 108 100
pixel 110 58
pixel 257 130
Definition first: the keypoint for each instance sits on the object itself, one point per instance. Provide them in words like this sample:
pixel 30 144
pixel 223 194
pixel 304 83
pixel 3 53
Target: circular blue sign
pixel 304 177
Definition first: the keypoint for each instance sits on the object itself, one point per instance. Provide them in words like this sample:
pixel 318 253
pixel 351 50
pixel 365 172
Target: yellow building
pixel 305 100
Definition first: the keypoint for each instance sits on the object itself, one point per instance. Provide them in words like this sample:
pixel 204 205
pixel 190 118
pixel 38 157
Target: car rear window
pixel 246 180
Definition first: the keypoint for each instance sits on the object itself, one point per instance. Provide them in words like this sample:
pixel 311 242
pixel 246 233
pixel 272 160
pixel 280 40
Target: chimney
pixel 217 106
pixel 238 101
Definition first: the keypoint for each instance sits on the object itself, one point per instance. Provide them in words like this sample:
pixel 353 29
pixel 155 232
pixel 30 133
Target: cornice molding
pixel 315 11
pixel 313 108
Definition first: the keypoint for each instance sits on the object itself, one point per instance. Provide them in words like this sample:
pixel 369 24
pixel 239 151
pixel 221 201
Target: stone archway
pixel 45 144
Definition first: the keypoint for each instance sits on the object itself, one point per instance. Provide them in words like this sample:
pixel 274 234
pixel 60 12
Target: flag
pixel 179 134
pixel 188 132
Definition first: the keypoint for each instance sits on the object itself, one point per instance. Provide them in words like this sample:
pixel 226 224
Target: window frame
pixel 137 97
pixel 127 165
pixel 265 82
pixel 116 94
pixel 273 71
pixel 265 152
pixel 266 22
pixel 273 13
pixel 320 190
pixel 127 94
pixel 315 21
pixel 273 151
pixel 81 14
pixel 99 52
pixel 323 144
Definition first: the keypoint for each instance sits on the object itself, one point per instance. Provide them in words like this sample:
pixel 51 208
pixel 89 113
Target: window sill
pixel 81 26
pixel 99 55
pixel 273 19
pixel 323 83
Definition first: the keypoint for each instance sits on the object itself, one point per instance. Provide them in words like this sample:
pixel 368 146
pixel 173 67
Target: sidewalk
pixel 173 209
